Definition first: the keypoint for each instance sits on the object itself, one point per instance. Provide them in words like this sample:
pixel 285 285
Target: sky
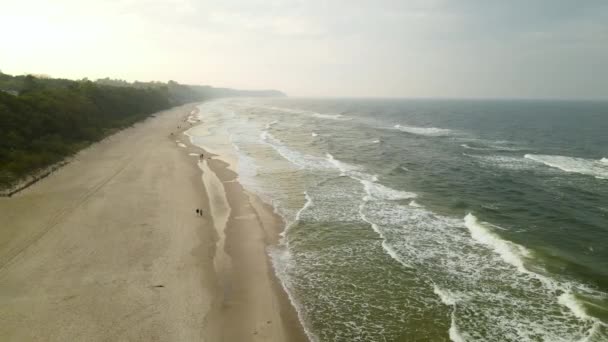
pixel 354 48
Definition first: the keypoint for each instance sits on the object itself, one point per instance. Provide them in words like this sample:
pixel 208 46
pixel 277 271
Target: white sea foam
pixel 301 160
pixel 489 146
pixel 427 131
pixel 568 300
pixel 314 134
pixel 181 145
pixel 387 248
pixel 503 162
pixel 376 141
pixel 590 167
pixel 306 112
pixel 450 299
pixel 446 297
pixel 474 148
pixel 281 260
pixel 604 160
pixel 415 204
pixel 440 250
pixel 454 332
pixel 379 191
pixel 349 170
pixel 511 253
pixel 343 167
pixel 305 161
pixel 459 265
pixel 330 116
pixel 298 215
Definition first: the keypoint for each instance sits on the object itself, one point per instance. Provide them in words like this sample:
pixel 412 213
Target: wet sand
pixel 109 248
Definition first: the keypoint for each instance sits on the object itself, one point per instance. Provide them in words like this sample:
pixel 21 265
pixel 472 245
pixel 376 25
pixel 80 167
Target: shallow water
pixel 430 220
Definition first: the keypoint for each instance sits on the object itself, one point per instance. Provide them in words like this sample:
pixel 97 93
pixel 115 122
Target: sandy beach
pixel 109 248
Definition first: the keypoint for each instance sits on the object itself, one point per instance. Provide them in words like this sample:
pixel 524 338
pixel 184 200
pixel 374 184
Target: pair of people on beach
pixel 199 212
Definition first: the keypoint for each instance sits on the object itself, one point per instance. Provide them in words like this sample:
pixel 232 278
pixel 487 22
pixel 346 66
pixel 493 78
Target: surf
pixel 590 167
pixel 425 131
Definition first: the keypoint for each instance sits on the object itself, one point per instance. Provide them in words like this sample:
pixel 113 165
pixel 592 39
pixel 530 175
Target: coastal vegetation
pixel 43 120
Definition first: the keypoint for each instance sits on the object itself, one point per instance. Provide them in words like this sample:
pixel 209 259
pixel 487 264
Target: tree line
pixel 43 120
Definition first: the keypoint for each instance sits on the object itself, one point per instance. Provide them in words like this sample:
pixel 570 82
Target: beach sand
pixel 109 248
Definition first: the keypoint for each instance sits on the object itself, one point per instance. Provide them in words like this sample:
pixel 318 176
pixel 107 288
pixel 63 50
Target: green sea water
pixel 430 220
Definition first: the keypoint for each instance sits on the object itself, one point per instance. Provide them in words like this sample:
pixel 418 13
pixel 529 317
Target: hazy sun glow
pixel 317 48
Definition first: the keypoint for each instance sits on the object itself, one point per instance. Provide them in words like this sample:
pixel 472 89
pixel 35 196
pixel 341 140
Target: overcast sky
pixel 388 48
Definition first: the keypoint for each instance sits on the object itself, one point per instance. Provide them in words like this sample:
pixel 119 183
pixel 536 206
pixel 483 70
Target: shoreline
pixel 108 247
pixel 238 209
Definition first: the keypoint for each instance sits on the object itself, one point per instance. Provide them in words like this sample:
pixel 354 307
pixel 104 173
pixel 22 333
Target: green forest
pixel 43 120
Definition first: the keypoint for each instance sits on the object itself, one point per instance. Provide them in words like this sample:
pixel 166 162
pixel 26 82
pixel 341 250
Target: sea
pixel 429 220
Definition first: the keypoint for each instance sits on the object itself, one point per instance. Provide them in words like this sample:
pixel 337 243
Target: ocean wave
pixel 302 161
pixel 481 272
pixel 511 253
pixel 305 161
pixel 475 148
pixel 446 297
pixel 589 167
pixel 426 131
pixel 450 299
pixel 352 171
pixel 385 246
pixel 454 332
pixel 503 162
pixel 313 134
pixel 568 300
pixel 415 204
pixel 282 260
pixel 307 112
pixel 497 146
pixel 378 191
pixel 330 116
pixel 483 276
pixel 342 166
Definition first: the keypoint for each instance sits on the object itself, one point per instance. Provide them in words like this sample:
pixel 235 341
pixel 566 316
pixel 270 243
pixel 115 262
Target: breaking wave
pixel 426 131
pixel 511 253
pixel 307 112
pixel 490 147
pixel 590 167
pixel 330 116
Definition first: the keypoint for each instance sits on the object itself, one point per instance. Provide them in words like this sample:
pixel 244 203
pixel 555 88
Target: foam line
pixel 508 251
pixel 590 167
pixel 426 131
pixel 445 296
pixel 568 300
